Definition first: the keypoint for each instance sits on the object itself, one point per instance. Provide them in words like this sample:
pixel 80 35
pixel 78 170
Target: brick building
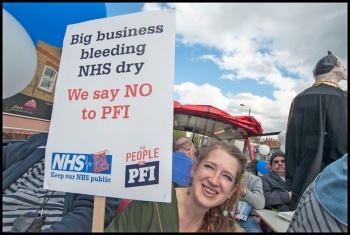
pixel 29 111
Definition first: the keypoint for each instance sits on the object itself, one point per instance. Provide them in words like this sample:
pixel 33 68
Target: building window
pixel 48 79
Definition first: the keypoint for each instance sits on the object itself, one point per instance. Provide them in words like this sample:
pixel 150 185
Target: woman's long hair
pixel 214 220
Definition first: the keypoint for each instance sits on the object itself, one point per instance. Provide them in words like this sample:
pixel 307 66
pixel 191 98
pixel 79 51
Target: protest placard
pixel 112 119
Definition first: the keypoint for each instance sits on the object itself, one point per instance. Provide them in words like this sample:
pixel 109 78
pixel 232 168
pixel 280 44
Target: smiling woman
pixel 202 207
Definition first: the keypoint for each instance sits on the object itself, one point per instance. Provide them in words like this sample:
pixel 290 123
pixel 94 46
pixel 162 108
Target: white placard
pixel 112 120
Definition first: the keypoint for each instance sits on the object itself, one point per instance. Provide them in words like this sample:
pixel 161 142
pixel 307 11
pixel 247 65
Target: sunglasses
pixel 277 161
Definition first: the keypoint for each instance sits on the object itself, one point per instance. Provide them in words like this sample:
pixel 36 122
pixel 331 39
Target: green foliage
pixel 196 138
pixel 244 176
pixel 177 134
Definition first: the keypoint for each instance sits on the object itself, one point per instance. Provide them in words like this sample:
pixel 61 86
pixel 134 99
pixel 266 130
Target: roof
pixel 211 121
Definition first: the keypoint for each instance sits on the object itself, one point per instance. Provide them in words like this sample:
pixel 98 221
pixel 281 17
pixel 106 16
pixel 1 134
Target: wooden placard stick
pixel 98 218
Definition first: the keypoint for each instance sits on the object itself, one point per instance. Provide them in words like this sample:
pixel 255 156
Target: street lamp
pixel 248 107
pixel 248 114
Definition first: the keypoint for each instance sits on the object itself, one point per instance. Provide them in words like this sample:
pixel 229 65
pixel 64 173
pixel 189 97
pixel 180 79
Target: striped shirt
pixel 26 194
pixel 310 216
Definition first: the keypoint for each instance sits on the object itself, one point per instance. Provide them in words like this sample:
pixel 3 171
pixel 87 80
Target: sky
pixel 260 55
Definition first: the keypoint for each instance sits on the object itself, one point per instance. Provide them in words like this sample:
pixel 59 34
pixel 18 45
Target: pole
pixel 98 218
pixel 250 121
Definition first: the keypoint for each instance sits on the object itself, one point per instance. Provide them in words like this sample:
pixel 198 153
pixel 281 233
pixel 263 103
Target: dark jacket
pixel 18 158
pixel 317 135
pixel 276 195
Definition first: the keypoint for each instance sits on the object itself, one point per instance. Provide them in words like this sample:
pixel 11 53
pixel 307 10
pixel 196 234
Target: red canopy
pixel 248 123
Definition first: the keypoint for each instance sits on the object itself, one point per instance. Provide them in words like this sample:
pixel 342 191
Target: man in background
pixel 183 159
pixel 276 195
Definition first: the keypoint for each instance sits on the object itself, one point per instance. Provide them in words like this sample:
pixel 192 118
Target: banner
pixel 111 128
pixel 27 106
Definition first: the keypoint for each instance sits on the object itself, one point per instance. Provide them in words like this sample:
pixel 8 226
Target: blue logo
pixel 82 162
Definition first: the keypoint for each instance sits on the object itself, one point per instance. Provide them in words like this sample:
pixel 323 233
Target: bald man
pixel 183 159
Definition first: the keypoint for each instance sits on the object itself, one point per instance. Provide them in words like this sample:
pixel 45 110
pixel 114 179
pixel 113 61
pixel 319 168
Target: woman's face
pixel 214 179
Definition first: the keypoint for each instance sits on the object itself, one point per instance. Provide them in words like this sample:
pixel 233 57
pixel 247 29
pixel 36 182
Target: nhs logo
pixel 82 162
pixel 139 175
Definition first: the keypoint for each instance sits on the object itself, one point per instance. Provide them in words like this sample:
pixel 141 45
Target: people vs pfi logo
pixel 142 174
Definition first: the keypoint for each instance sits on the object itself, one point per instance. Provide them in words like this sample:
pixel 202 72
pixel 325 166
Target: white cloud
pixel 255 41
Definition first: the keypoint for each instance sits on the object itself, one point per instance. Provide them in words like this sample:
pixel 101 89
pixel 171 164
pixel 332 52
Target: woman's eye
pixel 208 166
pixel 228 177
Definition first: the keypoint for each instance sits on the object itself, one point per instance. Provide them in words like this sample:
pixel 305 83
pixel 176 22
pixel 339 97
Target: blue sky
pixel 257 54
pixel 189 66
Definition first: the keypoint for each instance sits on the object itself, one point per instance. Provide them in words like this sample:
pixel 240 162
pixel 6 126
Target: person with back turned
pixel 317 128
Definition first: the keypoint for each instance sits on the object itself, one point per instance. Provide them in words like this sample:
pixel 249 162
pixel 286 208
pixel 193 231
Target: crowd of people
pixel 309 178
